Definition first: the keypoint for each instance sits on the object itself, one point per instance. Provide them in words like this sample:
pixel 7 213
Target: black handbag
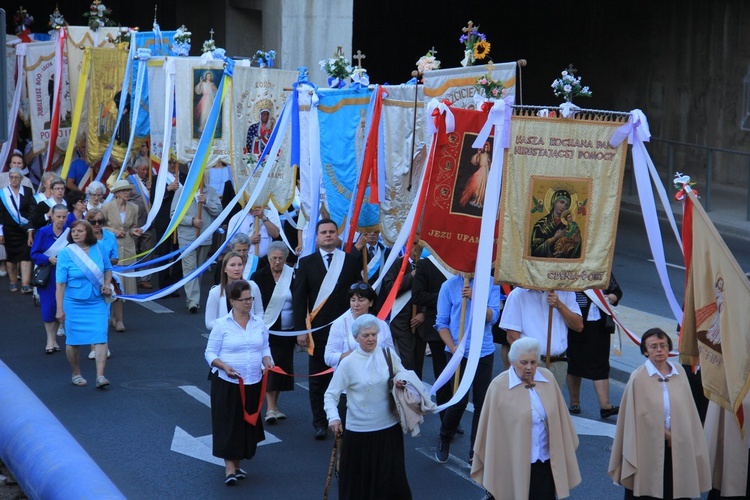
pixel 609 324
pixel 41 275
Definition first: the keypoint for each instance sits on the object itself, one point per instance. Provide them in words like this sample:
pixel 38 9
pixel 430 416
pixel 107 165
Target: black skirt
pixel 233 438
pixel 372 465
pixel 588 351
pixel 17 243
pixel 282 351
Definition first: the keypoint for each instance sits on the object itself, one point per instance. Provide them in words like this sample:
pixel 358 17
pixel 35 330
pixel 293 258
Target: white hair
pixel 522 346
pixel 363 322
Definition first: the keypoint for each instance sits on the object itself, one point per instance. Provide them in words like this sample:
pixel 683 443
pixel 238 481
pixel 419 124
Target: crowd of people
pixel 266 304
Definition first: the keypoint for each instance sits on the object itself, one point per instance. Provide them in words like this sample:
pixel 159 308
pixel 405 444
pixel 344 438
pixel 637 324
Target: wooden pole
pixel 330 467
pixel 549 336
pixel 364 264
pixel 464 300
pixel 256 230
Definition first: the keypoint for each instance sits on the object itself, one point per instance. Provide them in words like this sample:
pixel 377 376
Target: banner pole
pixel 457 377
pixel 549 336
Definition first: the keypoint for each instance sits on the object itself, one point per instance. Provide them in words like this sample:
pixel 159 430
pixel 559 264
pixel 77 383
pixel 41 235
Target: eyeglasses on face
pixel 96 222
pixel 359 286
pixel 246 300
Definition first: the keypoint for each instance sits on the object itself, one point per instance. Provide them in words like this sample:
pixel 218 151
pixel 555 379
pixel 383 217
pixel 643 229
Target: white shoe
pixel 92 355
pixel 108 353
pixel 60 331
pixel 3 274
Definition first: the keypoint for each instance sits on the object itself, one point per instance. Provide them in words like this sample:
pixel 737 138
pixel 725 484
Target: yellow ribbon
pixel 77 112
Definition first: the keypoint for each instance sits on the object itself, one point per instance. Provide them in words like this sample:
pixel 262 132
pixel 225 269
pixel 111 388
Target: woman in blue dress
pixel 108 242
pixel 44 240
pixel 84 276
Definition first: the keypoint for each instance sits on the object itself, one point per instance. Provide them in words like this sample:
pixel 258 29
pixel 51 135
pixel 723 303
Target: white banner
pixel 40 78
pixel 457 84
pixel 156 92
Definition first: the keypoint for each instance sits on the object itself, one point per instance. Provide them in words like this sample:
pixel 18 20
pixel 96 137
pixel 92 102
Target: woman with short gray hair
pixel 16 230
pixel 95 191
pixel 523 345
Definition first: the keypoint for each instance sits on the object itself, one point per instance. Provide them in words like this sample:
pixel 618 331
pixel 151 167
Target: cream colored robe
pixel 727 450
pixel 126 245
pixel 502 450
pixel 637 460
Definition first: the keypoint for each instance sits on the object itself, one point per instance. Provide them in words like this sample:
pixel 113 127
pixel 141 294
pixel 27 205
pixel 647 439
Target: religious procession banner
pixel 457 84
pixel 402 139
pixel 40 79
pixel 80 37
pixel 342 114
pixel 105 82
pixel 10 74
pixel 560 203
pixel 258 98
pixel 455 194
pixel 196 87
pixel 156 85
pixel 159 45
pixel 716 322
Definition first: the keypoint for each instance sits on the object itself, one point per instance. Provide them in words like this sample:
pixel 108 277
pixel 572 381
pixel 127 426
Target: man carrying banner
pixel 377 253
pixel 526 314
pixel 78 173
pixel 141 182
pixel 319 291
pixel 448 324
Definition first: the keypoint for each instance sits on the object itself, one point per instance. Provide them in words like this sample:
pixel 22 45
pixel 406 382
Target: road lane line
pixel 156 308
pixel 455 465
pixel 670 265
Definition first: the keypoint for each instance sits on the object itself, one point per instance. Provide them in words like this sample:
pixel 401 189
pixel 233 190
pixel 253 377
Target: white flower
pixel 564 73
pixel 567 88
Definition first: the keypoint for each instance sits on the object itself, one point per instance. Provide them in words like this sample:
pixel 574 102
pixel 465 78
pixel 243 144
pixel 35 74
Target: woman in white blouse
pixel 217 304
pixel 238 353
pixel 341 342
pixel 372 449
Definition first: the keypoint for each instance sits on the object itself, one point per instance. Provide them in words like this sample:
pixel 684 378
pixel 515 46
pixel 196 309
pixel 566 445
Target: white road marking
pixel 670 265
pixel 154 307
pixel 587 427
pixel 456 465
pixel 197 394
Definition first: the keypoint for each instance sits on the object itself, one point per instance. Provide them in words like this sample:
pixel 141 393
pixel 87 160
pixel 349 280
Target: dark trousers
pixel 439 360
pixel 668 490
pixel 173 273
pixel 479 385
pixel 541 482
pixel 318 386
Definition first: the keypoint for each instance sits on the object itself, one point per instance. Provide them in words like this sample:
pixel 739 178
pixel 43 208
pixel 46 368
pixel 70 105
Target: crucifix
pixel 212 33
pixel 359 58
pixel 489 67
pixel 571 70
pixel 468 29
pixel 433 50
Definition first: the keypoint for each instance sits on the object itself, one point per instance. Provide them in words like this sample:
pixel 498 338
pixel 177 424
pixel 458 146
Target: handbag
pixel 609 324
pixel 391 400
pixel 41 275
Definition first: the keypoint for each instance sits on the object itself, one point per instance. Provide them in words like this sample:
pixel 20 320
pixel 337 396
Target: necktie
pixel 329 257
pixel 370 253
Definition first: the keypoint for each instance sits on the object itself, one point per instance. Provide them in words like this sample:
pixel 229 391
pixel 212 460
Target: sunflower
pixel 481 49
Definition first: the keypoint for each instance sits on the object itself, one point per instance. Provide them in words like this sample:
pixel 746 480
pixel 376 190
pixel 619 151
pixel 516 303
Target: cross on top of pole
pixel 359 58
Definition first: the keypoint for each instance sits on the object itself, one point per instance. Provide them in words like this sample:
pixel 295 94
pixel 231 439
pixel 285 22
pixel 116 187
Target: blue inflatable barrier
pixel 44 458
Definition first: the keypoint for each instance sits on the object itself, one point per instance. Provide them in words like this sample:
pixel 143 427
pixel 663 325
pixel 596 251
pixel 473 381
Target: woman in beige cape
pixel 122 219
pixel 647 444
pixel 503 447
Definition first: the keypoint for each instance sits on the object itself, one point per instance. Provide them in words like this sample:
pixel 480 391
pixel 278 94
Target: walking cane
pixel 331 465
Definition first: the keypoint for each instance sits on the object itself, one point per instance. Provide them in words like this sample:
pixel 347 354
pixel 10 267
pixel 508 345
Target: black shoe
pixel 193 309
pixel 612 410
pixel 240 474
pixel 575 409
pixel 443 451
pixel 230 480
pixel 320 433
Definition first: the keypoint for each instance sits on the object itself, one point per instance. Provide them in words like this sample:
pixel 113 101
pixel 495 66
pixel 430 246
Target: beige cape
pixel 502 450
pixel 637 460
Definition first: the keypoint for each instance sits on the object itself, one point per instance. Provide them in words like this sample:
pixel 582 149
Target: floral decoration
pixel 263 59
pixel 56 21
pixel 476 46
pixel 209 45
pixel 337 68
pixel 98 16
pixel 22 19
pixel 181 41
pixel 569 86
pixel 489 87
pixel 428 62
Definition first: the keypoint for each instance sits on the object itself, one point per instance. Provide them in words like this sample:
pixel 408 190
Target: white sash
pixel 250 267
pixel 440 267
pixel 40 197
pixel 374 264
pixel 400 302
pixel 60 243
pixel 332 277
pixel 276 304
pixel 85 179
pixel 87 265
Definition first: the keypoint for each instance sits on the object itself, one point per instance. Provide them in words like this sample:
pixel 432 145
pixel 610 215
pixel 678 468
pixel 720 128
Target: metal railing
pixel 710 152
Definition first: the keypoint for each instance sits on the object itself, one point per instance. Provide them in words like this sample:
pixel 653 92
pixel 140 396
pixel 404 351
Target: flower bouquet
pixel 181 41
pixel 428 62
pixel 22 20
pixel 476 46
pixel 263 59
pixel 56 21
pixel 568 86
pixel 337 68
pixel 489 87
pixel 208 46
pixel 98 16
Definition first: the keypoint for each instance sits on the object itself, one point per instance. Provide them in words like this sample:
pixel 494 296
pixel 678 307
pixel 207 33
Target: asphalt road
pixel 150 430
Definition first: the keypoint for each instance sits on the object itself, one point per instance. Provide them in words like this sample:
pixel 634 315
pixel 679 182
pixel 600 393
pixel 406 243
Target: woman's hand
pixel 417 320
pixel 267 362
pixel 612 298
pixel 399 383
pixel 60 316
pixel 53 260
pixel 231 372
pixel 336 428
pixel 106 289
pixel 119 233
pixel 137 232
pixel 302 340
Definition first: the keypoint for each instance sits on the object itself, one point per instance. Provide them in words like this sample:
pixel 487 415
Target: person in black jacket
pixel 332 302
pixel 175 179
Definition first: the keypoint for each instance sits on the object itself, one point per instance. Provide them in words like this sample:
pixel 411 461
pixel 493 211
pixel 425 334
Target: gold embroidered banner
pixel 559 203
pixel 107 72
pixel 258 97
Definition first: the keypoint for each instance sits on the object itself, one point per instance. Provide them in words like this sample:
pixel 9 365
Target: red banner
pixel 455 193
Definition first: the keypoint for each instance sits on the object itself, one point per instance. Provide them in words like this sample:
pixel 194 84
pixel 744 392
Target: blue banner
pixel 159 46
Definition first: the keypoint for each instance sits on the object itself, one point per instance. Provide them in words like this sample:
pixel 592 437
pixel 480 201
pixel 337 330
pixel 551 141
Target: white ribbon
pixel 21 50
pixel 637 132
pixel 499 115
pixel 568 109
pixel 450 120
pixel 543 113
pixel 310 165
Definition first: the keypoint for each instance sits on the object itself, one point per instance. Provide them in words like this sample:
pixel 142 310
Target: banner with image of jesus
pixel 560 203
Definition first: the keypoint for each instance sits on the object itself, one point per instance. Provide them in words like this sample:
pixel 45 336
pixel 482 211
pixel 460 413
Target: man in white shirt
pixel 526 314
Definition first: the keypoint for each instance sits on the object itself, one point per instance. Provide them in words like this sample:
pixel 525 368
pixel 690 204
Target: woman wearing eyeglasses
pixel 238 353
pixel 659 449
pixel 108 244
pixel 341 342
pixel 76 201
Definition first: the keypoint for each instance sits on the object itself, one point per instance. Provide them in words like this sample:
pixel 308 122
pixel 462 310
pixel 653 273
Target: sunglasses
pixel 96 222
pixel 359 286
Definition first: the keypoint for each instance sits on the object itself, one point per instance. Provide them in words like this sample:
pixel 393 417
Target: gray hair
pixel 59 206
pixel 278 246
pixel 142 161
pixel 240 239
pixel 96 187
pixel 15 170
pixel 363 322
pixel 522 346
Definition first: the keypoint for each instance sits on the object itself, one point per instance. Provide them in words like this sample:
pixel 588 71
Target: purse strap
pixel 387 354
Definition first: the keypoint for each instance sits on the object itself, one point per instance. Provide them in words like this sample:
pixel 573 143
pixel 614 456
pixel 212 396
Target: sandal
pixel 25 289
pixel 79 381
pixel 49 351
pixel 13 287
pixel 575 409
pixel 609 412
pixel 101 382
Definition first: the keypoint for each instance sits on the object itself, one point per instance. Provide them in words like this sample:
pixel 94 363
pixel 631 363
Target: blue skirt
pixel 86 321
